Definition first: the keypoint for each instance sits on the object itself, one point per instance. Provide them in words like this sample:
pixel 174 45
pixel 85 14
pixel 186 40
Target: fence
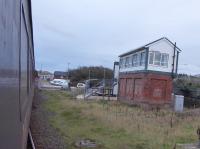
pixel 192 96
pixel 191 102
pixel 78 93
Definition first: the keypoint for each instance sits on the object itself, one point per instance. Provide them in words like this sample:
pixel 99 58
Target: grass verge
pixel 117 126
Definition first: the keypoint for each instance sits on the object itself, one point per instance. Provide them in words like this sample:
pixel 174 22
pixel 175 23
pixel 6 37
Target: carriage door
pixel 24 67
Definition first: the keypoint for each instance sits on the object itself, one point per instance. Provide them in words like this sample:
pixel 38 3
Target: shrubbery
pixel 189 87
pixel 94 72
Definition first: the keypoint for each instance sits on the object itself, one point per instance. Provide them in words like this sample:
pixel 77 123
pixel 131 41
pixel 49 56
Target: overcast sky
pixel 95 32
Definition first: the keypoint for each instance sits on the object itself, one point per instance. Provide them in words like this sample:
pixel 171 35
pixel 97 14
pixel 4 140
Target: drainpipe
pixel 177 58
pixel 173 60
pixel 147 59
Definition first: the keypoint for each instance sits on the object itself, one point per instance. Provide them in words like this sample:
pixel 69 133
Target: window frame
pixel 126 61
pixel 152 56
pixel 142 60
pixel 167 59
pixel 156 61
pixel 122 62
pixel 135 61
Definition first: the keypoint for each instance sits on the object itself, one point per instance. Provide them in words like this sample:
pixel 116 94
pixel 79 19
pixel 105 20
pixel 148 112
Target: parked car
pixel 60 82
pixel 80 85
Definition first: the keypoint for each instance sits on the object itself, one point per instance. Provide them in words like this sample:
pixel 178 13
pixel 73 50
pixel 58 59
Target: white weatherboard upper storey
pixel 162 45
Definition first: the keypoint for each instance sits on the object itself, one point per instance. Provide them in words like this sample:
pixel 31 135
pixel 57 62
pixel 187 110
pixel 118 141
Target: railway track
pixel 43 134
pixel 30 142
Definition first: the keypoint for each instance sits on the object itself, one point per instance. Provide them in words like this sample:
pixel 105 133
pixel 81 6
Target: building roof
pixel 60 73
pixel 44 73
pixel 148 45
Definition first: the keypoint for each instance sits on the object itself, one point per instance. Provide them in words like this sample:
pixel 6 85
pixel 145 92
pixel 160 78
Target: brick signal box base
pixel 145 88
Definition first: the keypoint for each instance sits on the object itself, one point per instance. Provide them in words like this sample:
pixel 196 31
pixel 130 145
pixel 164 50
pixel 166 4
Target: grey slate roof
pixel 147 45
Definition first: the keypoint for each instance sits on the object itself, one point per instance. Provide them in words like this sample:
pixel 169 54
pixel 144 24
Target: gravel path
pixel 44 135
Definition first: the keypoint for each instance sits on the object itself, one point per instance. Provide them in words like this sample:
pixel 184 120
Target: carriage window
pixel 24 66
pixel 24 80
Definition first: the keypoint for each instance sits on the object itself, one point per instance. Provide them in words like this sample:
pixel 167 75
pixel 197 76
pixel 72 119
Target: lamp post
pixel 89 74
pixel 104 76
pixel 68 70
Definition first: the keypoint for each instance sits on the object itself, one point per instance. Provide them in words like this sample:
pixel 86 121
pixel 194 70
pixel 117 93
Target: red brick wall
pixel 145 88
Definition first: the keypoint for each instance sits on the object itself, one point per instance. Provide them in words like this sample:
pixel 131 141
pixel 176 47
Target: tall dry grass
pixel 160 128
pixel 153 129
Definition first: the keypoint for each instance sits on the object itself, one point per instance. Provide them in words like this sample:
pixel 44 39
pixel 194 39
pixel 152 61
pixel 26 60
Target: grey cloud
pixel 95 32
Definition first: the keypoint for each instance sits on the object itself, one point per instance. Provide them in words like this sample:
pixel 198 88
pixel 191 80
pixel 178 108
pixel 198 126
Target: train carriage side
pixel 16 72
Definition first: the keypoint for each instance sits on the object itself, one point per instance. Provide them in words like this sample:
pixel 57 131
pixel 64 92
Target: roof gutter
pixel 132 51
pixel 149 44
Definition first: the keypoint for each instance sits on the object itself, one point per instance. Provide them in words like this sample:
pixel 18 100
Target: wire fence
pixel 191 96
pixel 103 88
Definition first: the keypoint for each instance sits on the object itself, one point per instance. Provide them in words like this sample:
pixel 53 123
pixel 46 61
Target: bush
pixel 95 72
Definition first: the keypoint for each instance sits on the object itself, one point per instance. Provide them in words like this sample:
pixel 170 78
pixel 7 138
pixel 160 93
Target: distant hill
pixel 44 73
pixel 198 75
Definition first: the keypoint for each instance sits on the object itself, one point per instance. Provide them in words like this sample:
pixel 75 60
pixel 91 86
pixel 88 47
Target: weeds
pixel 118 126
